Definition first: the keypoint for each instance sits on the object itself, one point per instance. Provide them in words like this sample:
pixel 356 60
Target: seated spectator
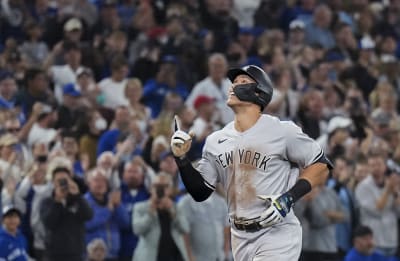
pixel 13 245
pixel 96 250
pixel 64 214
pixel 109 214
pixel 160 225
pixel 8 89
pixel 364 247
pixel 70 146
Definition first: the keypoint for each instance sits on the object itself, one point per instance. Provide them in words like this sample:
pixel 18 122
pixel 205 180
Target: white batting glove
pixel 180 141
pixel 277 208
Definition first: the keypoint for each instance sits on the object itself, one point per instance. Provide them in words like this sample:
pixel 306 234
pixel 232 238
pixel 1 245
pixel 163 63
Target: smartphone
pixel 160 191
pixel 63 183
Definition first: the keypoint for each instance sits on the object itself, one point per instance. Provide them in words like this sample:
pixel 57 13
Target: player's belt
pixel 248 225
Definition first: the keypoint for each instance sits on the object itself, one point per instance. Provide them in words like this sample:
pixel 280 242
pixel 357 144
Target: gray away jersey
pixel 263 160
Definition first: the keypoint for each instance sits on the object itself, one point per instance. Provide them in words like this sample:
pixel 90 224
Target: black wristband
pixel 299 189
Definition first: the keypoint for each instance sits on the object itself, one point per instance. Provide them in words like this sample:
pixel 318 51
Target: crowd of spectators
pixel 89 88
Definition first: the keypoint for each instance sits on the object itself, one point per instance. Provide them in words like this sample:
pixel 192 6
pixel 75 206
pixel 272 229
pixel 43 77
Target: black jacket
pixel 65 227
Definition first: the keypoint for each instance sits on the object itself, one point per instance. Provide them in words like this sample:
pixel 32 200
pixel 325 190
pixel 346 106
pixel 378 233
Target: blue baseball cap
pixel 69 89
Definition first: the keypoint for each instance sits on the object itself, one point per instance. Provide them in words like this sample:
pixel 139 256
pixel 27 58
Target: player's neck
pixel 244 121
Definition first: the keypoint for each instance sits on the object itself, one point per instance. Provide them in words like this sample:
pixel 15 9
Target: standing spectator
pixel 160 225
pixel 108 140
pixel 92 125
pixel 296 36
pixel 339 183
pixel 8 89
pixel 31 192
pixel 70 110
pixel 155 90
pixel 364 246
pixel 13 245
pixel 34 50
pixel 215 85
pixel 64 215
pixel 323 211
pixel 66 73
pixel 43 130
pixel 379 206
pixel 133 190
pixel 318 30
pixel 36 89
pixel 113 88
pixel 109 214
pixel 209 227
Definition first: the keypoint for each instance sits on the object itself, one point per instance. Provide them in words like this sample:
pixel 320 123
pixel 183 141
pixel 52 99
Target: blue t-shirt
pixel 354 255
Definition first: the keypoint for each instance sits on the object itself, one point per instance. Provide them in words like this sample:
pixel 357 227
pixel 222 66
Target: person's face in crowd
pixel 168 165
pixel 377 167
pixel 308 4
pixel 133 175
pixel 278 57
pixel 341 135
pixel 246 40
pixel 98 253
pixel 39 173
pixel 117 43
pixel 387 102
pixel 187 117
pixel 6 151
pixel 323 17
pixel 70 146
pixel 73 35
pixel 315 104
pixel 208 109
pixel 364 244
pixel 297 36
pixel 162 182
pixel 389 45
pixel 11 222
pixel 308 55
pixel 8 88
pixel 217 67
pixel 122 117
pixel 71 102
pixel 120 73
pixel 39 149
pixel 172 102
pixel 84 81
pixel 361 171
pixel 133 91
pixel 98 185
pixel 73 57
pixel 219 7
pixel 40 83
pixel 234 101
pixel 12 126
pixel 106 162
pixel 366 21
pixel 174 27
pixel 341 172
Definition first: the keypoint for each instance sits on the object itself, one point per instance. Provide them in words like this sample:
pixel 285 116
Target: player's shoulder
pixel 275 122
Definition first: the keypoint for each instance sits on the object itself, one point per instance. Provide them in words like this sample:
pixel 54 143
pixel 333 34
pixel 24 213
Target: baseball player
pixel 257 158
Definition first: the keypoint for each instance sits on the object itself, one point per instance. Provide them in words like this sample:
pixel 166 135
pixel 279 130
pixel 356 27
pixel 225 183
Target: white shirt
pixel 114 92
pixel 41 135
pixel 63 74
pixel 208 88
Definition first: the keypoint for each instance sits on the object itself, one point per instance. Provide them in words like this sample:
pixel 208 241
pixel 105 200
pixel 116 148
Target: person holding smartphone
pixel 160 224
pixel 64 214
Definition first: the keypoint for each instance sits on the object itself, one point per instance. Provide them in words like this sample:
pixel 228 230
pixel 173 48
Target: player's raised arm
pixel 194 182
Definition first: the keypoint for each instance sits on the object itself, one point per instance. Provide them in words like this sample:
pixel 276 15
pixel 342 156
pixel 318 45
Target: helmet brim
pixel 235 72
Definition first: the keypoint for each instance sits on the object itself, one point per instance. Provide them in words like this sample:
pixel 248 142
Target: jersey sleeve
pixel 300 148
pixel 208 167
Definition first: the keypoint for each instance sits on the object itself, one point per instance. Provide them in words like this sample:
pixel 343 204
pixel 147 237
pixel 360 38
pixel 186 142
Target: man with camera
pixel 64 215
pixel 160 224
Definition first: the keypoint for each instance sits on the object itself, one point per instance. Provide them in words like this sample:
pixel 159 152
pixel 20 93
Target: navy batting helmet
pixel 259 93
